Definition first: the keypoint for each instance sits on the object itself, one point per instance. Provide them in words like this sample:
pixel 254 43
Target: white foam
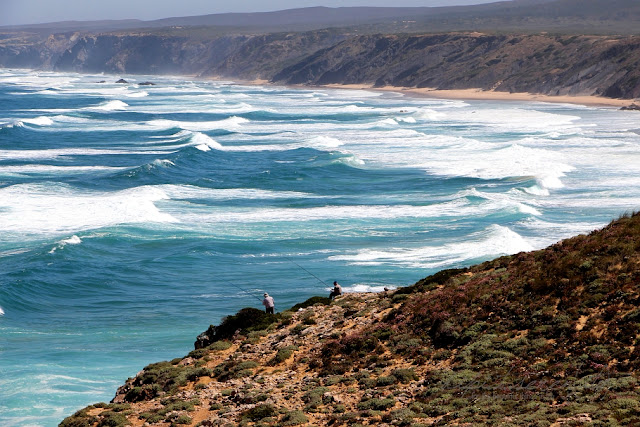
pixel 362 288
pixel 39 121
pixel 528 209
pixel 386 122
pixel 138 94
pixel 232 123
pixel 111 106
pixel 176 192
pixel 35 169
pixel 514 119
pixel 204 143
pixel 511 161
pixel 1 312
pixel 503 201
pixel 548 232
pixel 324 142
pixel 331 212
pixel 62 209
pixel 163 163
pixel 537 190
pixel 73 240
pixel 494 241
pixel 61 152
pixel 430 115
pixel 351 161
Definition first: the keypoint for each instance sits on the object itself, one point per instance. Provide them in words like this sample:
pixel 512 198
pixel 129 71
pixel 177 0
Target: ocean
pixel 133 217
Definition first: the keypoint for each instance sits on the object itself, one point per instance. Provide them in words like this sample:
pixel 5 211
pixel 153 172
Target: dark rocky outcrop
pixel 632 107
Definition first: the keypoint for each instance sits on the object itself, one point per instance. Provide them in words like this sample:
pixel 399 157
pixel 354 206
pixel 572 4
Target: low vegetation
pixel 550 337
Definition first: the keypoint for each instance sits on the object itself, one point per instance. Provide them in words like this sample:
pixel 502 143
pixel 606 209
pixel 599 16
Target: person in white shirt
pixel 268 303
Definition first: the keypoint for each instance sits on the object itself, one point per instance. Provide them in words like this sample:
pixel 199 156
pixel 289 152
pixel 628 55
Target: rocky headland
pixel 552 65
pixel 548 47
pixel 545 338
pixel 555 65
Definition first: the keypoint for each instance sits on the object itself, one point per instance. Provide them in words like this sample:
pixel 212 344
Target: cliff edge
pixel 576 65
pixel 545 338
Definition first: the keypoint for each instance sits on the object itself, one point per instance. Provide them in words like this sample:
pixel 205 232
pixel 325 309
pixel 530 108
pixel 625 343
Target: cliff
pixel 544 64
pixel 550 65
pixel 549 337
pixel 244 56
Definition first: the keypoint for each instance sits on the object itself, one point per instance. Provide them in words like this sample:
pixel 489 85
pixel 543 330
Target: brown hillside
pixel 544 338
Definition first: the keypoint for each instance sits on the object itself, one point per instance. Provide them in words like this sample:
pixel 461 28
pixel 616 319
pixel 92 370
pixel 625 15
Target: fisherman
pixel 268 303
pixel 336 291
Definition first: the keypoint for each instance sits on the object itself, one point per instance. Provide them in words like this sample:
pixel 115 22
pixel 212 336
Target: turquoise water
pixel 132 216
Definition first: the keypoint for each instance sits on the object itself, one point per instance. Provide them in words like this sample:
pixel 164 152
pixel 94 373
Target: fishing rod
pixel 321 281
pixel 246 292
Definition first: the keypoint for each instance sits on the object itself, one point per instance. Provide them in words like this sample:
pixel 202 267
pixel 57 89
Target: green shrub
pixel 152 417
pixel 313 398
pixel 80 419
pixel 198 354
pixel 376 404
pixel 308 318
pixel 233 369
pixel 296 330
pixel 113 419
pixel 179 405
pixel 294 418
pixel 182 419
pixel 219 346
pixel 245 320
pixel 310 302
pixel 386 381
pixel 259 412
pixel 405 375
pixel 282 355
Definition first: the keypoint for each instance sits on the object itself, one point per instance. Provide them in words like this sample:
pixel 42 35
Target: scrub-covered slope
pixel 549 337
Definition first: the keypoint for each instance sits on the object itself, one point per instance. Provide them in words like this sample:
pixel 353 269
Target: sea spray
pixel 127 211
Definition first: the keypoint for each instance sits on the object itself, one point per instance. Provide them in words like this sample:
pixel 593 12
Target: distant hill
pixel 545 338
pixel 301 19
pixel 564 16
pixel 557 16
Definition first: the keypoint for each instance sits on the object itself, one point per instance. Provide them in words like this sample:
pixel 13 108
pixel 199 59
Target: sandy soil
pixel 479 94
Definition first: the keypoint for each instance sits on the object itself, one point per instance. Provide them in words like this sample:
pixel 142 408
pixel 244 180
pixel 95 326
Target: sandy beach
pixel 469 94
pixel 480 94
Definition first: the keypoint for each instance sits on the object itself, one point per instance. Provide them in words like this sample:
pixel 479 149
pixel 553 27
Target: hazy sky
pixel 15 12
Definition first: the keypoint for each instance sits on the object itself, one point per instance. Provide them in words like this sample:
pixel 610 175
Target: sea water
pixel 133 217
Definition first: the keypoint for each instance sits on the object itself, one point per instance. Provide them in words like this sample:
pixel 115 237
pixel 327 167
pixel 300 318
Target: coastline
pixel 475 94
pixel 485 95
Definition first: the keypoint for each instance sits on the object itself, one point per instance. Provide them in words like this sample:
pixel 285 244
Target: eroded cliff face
pixel 550 65
pixel 244 56
pixel 576 65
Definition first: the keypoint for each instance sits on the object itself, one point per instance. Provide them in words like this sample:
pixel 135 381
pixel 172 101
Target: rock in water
pixel 122 81
pixel 146 84
pixel 632 107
